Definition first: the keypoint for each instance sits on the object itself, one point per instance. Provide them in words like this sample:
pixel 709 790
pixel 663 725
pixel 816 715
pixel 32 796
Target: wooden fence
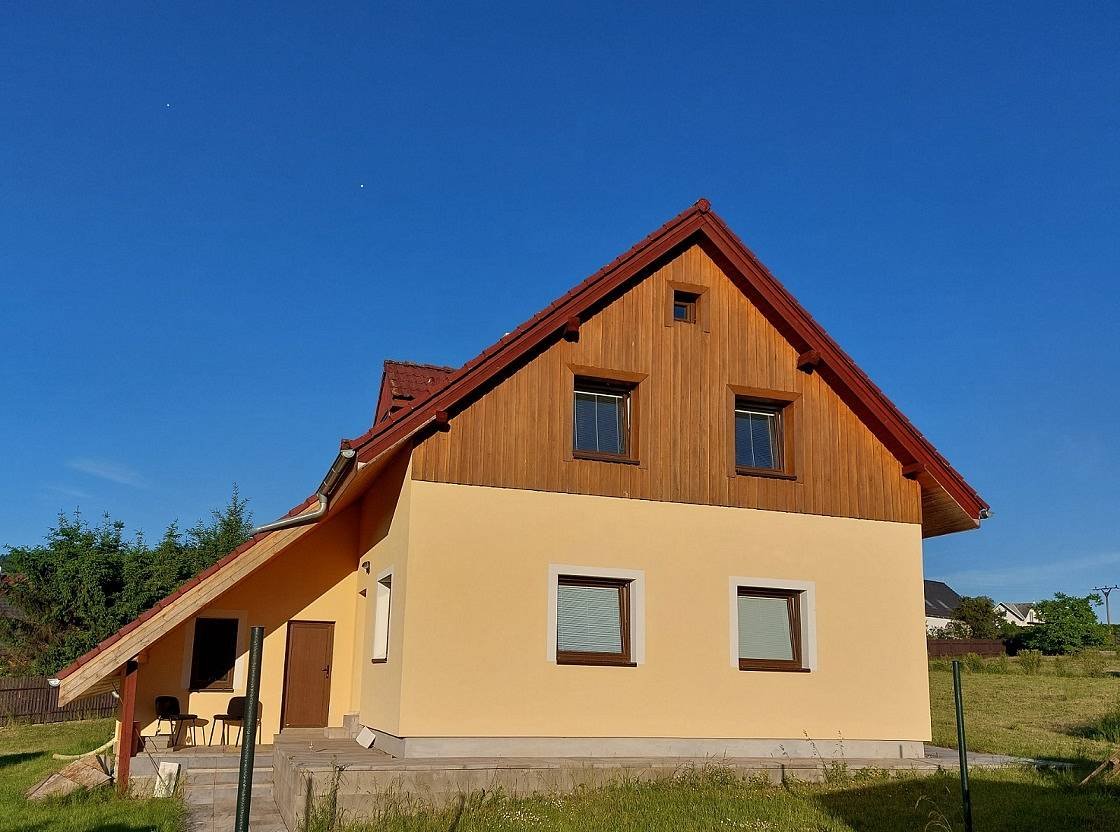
pixel 31 699
pixel 938 647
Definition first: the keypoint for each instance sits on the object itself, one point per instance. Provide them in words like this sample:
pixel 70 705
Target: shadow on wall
pixel 1002 801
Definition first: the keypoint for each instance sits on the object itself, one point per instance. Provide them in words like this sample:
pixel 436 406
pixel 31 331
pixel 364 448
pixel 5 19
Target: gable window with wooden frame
pixel 382 606
pixel 684 307
pixel 593 621
pixel 603 423
pixel 762 432
pixel 687 303
pixel 214 654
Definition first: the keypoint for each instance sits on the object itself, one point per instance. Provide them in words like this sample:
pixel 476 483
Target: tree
pixel 1069 623
pixel 978 613
pixel 87 581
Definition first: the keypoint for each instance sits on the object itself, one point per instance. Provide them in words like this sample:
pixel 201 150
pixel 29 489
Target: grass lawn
pixel 25 758
pixel 1005 801
pixel 1055 717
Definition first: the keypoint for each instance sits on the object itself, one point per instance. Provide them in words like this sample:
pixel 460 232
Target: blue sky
pixel 216 223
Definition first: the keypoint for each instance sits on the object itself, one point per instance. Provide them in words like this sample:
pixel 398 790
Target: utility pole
pixel 1105 590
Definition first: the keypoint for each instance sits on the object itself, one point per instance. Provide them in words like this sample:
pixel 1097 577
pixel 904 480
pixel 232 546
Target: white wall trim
pixel 637 579
pixel 239 669
pixel 808 590
pixel 379 649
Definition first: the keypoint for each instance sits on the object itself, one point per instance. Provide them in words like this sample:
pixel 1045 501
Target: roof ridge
pixel 419 364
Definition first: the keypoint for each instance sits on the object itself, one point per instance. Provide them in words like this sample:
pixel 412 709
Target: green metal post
pixel 962 748
pixel 249 731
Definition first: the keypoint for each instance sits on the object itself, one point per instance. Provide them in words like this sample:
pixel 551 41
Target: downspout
pixel 334 476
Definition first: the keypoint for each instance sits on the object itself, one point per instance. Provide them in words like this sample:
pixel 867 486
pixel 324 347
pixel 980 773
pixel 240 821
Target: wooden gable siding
pixel 518 434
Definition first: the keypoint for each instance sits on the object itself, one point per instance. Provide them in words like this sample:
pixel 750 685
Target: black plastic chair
pixel 168 709
pixel 234 715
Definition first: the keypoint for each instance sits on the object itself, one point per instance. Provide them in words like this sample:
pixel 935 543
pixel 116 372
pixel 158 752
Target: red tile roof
pixel 402 382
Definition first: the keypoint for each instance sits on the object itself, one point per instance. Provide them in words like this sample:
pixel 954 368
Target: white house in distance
pixel 1021 614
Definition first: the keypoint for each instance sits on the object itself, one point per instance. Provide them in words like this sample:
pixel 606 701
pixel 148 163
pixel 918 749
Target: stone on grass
pixel 84 773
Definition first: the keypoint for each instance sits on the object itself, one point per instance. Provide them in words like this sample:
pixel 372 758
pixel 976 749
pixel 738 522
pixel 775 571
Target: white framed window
pixel 596 615
pixel 773 624
pixel 382 604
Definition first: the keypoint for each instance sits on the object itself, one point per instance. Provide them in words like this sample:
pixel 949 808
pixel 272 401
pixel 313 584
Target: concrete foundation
pixel 303 772
pixel 435 747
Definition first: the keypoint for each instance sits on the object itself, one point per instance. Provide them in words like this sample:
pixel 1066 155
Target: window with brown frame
pixel 762 441
pixel 769 629
pixel 214 653
pixel 593 621
pixel 602 419
pixel 684 306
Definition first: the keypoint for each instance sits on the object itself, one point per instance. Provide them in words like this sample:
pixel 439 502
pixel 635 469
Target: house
pixel 941 603
pixel 1020 613
pixel 666 515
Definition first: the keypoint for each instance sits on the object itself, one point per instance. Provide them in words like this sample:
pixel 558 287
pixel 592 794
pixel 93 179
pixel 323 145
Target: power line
pixel 1106 590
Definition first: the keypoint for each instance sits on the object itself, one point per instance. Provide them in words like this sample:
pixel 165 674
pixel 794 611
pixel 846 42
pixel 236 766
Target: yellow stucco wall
pixel 314 580
pixel 383 535
pixel 475 659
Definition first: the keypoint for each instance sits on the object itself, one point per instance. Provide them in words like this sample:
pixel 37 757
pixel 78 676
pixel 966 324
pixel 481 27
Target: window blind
pixel 600 424
pixel 588 619
pixel 756 438
pixel 764 628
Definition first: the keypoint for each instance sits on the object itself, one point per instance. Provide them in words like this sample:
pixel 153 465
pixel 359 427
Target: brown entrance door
pixel 307 674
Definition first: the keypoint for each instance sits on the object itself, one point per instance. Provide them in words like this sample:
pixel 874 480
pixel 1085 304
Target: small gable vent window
pixel 602 411
pixel 684 306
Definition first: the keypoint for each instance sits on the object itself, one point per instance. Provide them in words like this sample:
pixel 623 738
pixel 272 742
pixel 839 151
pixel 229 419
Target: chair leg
pixel 238 740
pixel 213 722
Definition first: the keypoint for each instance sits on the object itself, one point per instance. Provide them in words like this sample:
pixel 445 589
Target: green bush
pixel 1000 664
pixel 1092 662
pixel 972 662
pixel 940 664
pixel 1030 661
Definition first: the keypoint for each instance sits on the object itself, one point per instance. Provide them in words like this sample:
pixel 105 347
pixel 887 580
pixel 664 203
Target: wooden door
pixel 307 674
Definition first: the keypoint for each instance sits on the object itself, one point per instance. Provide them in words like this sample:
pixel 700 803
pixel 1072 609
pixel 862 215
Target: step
pixel 221 776
pixel 225 794
pixel 144 764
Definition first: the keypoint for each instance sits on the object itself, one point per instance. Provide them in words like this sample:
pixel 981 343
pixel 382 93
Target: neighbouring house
pixel 1021 613
pixel 666 515
pixel 941 603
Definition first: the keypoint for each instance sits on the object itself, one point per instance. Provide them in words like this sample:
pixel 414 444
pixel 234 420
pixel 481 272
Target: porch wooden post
pixel 128 717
